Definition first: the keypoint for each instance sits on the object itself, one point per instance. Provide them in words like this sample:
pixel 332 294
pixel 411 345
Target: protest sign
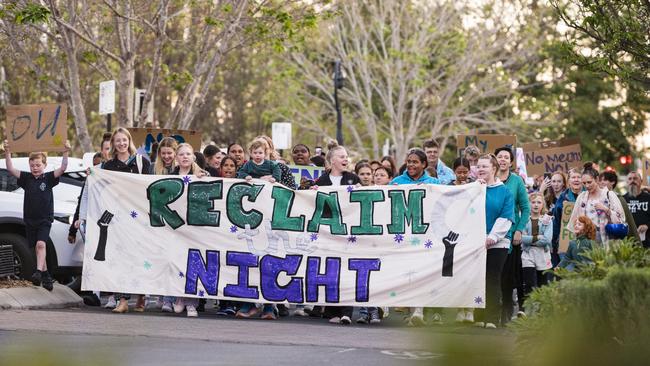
pixel 486 143
pixel 553 156
pixel 37 127
pixel 412 245
pixel 308 172
pixel 565 234
pixel 144 138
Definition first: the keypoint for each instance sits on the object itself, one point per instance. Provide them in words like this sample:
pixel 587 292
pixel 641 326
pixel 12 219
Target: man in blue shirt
pixel 444 174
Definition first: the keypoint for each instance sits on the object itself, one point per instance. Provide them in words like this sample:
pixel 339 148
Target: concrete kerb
pixel 33 297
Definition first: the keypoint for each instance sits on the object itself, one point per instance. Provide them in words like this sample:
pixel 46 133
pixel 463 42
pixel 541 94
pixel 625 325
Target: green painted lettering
pixel 200 205
pixel 409 213
pixel 327 212
pixel 160 194
pixel 283 201
pixel 367 200
pixel 235 209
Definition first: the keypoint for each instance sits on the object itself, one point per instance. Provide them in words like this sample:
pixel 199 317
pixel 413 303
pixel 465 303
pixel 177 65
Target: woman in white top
pixel 598 204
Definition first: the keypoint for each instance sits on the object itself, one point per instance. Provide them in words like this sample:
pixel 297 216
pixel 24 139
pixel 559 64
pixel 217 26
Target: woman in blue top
pixel 499 212
pixel 415 173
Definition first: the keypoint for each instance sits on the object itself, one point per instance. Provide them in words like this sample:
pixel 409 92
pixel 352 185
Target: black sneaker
pixel 37 278
pixel 48 284
pixel 282 310
pixel 316 312
pixel 201 307
pixel 91 300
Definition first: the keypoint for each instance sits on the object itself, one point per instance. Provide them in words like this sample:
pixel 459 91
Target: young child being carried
pixel 38 205
pixel 259 166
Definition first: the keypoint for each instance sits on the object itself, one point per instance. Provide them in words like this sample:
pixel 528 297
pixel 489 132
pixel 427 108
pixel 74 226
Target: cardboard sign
pixel 646 171
pixel 37 127
pixel 553 156
pixel 565 235
pixel 486 143
pixel 144 138
pixel 309 172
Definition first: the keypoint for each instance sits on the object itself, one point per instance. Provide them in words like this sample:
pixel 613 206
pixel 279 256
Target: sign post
pixel 107 101
pixel 281 135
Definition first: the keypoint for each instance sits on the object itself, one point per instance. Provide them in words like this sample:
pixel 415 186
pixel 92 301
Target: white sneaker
pixel 521 314
pixel 179 306
pixel 167 307
pixel 479 324
pixel 111 304
pixel 460 316
pixel 300 312
pixel 417 318
pixel 469 316
pixel 436 319
pixel 335 320
pixel 490 326
pixel 346 320
pixel 386 311
pixel 191 312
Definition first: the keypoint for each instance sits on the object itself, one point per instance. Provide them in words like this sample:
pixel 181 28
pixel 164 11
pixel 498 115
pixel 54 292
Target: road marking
pixel 411 355
pixel 346 350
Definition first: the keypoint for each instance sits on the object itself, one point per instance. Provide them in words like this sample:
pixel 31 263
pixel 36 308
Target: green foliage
pixel 616 33
pixel 626 253
pixel 595 315
pixel 32 13
pixel 572 104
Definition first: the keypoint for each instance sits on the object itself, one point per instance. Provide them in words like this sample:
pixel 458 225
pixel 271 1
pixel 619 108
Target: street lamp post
pixel 338 84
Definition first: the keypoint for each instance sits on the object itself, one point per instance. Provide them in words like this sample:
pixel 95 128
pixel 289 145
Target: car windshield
pixel 9 183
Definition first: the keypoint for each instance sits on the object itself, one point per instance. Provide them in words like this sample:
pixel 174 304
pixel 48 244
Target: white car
pixel 64 260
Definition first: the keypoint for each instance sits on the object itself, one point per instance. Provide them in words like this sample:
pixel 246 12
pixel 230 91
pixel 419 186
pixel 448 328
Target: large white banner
pixel 414 245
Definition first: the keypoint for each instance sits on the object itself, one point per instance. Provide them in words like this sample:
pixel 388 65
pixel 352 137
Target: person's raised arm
pixel 64 161
pixel 10 165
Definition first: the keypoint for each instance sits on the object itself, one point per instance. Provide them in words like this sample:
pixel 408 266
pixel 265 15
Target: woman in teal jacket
pixel 512 271
pixel 415 172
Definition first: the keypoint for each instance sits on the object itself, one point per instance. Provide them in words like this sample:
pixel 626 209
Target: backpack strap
pixel 138 162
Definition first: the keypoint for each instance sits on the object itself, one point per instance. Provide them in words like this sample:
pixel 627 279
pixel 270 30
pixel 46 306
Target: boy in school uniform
pixel 38 205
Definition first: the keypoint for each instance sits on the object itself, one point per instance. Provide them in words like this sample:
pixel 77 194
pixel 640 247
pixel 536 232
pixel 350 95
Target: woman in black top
pixel 125 159
pixel 337 175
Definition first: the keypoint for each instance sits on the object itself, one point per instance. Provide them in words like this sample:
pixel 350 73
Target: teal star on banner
pixel 147 265
pixel 415 242
pixel 472 210
pixel 393 294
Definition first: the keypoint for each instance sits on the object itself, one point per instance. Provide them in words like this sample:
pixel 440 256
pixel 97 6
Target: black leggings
pixel 532 279
pixel 496 258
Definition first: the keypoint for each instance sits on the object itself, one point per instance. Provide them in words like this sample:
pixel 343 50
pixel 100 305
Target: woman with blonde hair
pixel 166 156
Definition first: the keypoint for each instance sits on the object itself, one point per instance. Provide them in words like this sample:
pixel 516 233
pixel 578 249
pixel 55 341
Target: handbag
pixel 615 231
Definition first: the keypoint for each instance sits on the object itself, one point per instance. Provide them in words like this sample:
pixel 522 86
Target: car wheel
pixel 24 261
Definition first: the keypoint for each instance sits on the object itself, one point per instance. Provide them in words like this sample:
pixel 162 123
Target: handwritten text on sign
pixel 566 235
pixel 418 245
pixel 311 173
pixel 486 143
pixel 555 159
pixel 37 127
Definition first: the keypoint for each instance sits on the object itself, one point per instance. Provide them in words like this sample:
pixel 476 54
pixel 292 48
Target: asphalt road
pixel 95 336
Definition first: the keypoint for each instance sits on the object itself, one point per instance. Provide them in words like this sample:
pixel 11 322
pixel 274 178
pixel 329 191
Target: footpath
pixel 32 297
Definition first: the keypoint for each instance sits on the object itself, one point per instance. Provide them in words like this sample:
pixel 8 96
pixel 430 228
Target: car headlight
pixel 67 219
